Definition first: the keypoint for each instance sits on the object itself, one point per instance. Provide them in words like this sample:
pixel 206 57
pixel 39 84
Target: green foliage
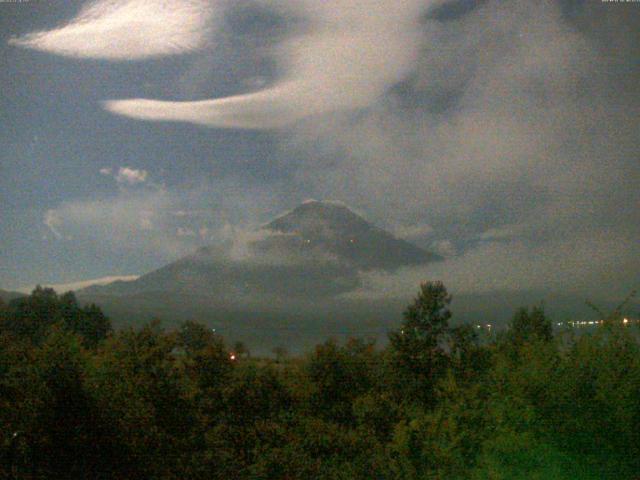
pixel 78 401
pixel 418 349
pixel 338 376
pixel 528 326
pixel 31 317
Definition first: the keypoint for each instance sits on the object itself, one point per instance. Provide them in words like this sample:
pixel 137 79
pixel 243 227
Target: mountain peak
pixel 335 228
pixel 317 249
pixel 315 212
pixel 334 203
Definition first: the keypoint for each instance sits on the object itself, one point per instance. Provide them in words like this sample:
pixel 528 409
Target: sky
pixel 502 135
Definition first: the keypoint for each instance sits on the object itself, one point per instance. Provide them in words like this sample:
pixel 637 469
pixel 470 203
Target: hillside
pixel 7 296
pixel 315 251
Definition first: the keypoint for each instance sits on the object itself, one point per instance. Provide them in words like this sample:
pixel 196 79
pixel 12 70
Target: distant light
pixel 478 326
pixel 559 323
pixel 232 357
pixel 626 320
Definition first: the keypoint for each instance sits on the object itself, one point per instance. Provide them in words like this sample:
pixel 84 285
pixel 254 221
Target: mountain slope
pixel 315 251
pixel 7 296
pixel 338 230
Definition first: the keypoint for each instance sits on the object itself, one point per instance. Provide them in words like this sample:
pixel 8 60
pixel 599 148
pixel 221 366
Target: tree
pixel 145 396
pixel 31 316
pixel 94 326
pixel 339 375
pixel 88 322
pixel 468 358
pixel 281 353
pixel 241 350
pixel 194 336
pixel 418 348
pixel 530 326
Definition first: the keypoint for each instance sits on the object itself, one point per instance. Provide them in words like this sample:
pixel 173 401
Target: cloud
pixel 505 232
pixel 126 175
pixel 494 148
pixel 346 58
pixel 128 30
pixel 409 232
pixel 72 286
pixel 185 232
pixel 506 140
pixel 444 248
pixel 122 218
pixel 54 222
pixel 595 264
pixel 143 222
pixel 130 176
pixel 508 131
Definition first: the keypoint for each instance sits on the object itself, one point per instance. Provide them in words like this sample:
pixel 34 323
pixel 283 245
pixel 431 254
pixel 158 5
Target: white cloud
pixel 146 219
pixel 126 175
pixel 143 221
pixel 413 231
pixel 259 246
pixel 185 232
pixel 133 222
pixel 594 264
pixel 131 176
pixel 54 222
pixel 72 286
pixel 444 248
pixel 128 30
pixel 347 57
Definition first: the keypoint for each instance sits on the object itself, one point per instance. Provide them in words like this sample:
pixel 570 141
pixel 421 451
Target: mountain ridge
pixel 7 296
pixel 316 249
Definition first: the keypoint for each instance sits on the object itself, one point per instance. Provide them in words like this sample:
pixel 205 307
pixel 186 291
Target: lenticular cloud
pixel 351 53
pixel 127 30
pixel 346 58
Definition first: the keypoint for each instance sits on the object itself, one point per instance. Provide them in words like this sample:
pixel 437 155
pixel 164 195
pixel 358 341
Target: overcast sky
pixel 504 135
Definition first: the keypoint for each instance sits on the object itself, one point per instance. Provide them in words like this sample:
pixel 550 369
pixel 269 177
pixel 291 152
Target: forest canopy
pixel 80 400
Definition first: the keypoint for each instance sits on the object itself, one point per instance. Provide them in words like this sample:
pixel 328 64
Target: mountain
pixel 334 228
pixel 7 296
pixel 280 284
pixel 284 284
pixel 313 252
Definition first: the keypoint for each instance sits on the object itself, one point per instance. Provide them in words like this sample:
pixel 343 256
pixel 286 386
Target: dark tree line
pixel 78 400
